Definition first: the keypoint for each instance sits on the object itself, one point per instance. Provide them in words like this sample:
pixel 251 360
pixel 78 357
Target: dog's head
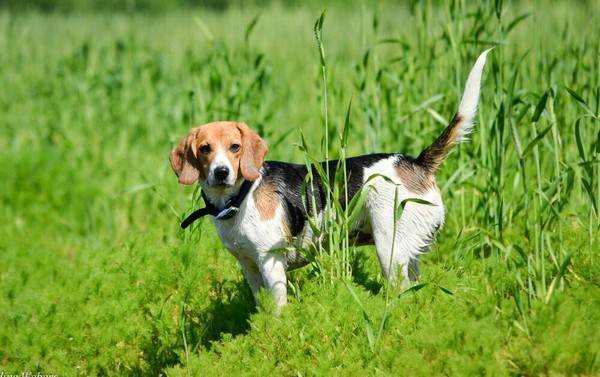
pixel 219 154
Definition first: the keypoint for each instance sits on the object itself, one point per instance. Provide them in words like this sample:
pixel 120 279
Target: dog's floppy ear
pixel 184 162
pixel 254 150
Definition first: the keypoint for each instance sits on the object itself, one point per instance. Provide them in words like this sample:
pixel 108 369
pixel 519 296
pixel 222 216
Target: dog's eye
pixel 234 148
pixel 205 149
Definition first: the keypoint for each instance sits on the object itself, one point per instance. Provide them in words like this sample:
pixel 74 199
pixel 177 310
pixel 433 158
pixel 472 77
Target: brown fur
pixel 254 150
pixel 433 156
pixel 414 177
pixel 190 164
pixel 185 164
pixel 266 200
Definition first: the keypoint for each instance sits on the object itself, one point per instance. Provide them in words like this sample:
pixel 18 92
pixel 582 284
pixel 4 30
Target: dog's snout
pixel 221 172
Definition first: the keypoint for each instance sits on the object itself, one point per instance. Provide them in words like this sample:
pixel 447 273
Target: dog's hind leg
pixel 400 245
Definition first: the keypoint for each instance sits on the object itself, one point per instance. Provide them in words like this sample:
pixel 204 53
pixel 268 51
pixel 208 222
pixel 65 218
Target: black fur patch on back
pixel 288 180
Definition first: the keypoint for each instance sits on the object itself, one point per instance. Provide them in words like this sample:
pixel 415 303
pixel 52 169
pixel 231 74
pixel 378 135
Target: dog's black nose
pixel 221 173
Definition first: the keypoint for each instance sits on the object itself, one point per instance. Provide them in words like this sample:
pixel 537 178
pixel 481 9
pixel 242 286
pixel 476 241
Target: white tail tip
pixel 468 104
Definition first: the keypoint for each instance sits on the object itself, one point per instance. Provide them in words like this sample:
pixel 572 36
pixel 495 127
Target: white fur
pixel 219 195
pixel 219 161
pixel 468 104
pixel 415 228
pixel 259 246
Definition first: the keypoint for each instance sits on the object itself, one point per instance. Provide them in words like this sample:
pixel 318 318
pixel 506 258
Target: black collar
pixel 231 207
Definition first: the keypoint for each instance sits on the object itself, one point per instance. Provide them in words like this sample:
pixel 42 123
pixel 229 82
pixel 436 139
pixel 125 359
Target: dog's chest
pixel 248 232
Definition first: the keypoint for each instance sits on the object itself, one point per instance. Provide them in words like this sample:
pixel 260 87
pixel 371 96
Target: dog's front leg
pixel 252 275
pixel 272 268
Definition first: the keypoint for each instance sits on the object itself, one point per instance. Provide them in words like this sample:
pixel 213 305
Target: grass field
pixel 96 278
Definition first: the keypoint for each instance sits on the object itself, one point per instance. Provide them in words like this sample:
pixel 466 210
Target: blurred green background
pixel 158 5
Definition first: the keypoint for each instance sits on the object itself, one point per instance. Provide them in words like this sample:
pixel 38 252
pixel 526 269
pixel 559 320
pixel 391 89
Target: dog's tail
pixel 460 126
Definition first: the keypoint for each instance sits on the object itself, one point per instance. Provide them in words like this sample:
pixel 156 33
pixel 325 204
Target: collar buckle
pixel 231 208
pixel 227 213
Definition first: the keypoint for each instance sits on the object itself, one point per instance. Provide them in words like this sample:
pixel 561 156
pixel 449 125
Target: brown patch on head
pixel 184 162
pixel 414 177
pixel 191 159
pixel 254 150
pixel 266 200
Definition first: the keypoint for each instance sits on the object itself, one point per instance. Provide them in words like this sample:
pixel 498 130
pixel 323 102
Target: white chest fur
pixel 247 232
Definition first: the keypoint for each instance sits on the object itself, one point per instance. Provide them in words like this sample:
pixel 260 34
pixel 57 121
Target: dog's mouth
pixel 221 185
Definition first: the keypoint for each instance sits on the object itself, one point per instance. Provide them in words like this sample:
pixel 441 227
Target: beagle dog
pixel 261 214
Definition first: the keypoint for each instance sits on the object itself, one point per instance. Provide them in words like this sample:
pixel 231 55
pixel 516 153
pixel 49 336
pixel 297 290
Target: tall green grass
pixel 501 140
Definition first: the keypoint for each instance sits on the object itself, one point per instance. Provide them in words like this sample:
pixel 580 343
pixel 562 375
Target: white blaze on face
pixel 219 162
